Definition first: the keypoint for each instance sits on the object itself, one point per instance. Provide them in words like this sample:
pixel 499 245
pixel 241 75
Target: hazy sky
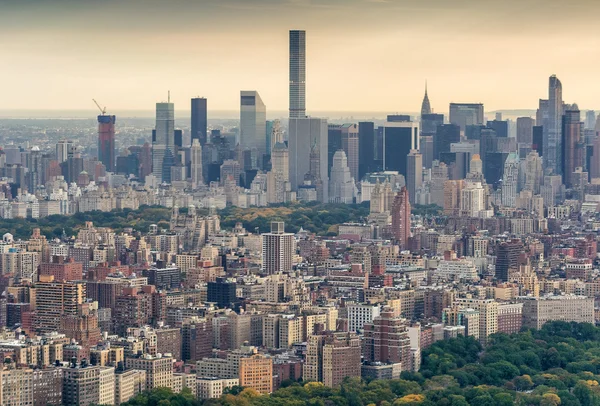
pixel 362 55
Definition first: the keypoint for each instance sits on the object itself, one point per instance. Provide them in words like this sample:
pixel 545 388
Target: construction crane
pixel 102 110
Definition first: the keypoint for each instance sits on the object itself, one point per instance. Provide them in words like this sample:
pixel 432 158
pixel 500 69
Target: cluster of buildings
pixel 98 317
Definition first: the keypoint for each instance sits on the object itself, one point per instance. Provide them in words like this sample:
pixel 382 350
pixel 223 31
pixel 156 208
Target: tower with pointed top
pixel 425 106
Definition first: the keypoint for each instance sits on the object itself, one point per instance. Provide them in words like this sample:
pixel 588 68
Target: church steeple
pixel 425 106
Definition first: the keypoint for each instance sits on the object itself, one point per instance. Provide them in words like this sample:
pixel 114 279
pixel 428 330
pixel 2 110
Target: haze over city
pixel 362 55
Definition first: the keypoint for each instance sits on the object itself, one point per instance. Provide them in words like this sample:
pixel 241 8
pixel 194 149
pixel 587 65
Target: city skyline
pixel 216 58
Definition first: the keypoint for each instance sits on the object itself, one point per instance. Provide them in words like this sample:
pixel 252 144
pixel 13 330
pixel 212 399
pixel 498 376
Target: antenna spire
pixel 168 96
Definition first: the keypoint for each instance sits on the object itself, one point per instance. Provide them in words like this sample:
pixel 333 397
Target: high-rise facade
pixel 164 138
pixel 425 105
pixel 199 120
pixel 63 150
pixel 464 114
pixel 551 111
pixel 306 135
pixel 510 180
pixel 401 218
pixel 297 73
pixel 341 182
pixel 350 147
pixel 573 145
pixel 277 249
pixel 414 173
pixel 106 141
pixel 196 162
pixel 253 123
pixel 366 148
pixel 446 135
pixel 399 138
pixel 507 258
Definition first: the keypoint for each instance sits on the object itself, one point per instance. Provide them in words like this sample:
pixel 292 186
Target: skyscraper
pixel 106 141
pixel 524 135
pixel 510 180
pixel 366 148
pixel 297 73
pixel 573 146
pixel 341 182
pixel 196 162
pixel 414 173
pixel 552 111
pixel 446 135
pixel 507 258
pixel 199 120
pixel 399 138
pixel 277 249
pixel 63 149
pixel 253 123
pixel 306 134
pixel 350 147
pixel 401 218
pixel 425 105
pixel 164 137
pixel 464 114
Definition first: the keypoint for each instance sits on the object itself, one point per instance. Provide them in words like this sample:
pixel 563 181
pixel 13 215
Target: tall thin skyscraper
pixel 196 162
pixel 297 73
pixel 253 123
pixel 552 126
pixel 106 141
pixel 572 143
pixel 414 173
pixel 63 148
pixel 401 218
pixel 164 137
pixel 199 120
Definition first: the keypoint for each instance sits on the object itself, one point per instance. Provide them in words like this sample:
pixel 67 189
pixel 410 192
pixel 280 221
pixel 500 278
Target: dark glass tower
pixel 297 73
pixel 199 120
pixel 106 141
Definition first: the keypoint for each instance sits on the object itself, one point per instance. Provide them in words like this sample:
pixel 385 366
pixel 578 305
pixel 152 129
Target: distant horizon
pixel 180 114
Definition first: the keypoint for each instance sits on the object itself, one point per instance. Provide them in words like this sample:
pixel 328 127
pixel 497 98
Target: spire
pixel 425 106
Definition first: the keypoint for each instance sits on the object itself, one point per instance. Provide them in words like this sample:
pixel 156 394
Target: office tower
pixel 297 74
pixel 386 340
pixel 425 105
pixel 277 249
pixel 595 161
pixel 280 159
pixel 533 172
pixel 63 150
pixel 510 180
pixel 230 168
pixel 572 144
pixel 472 199
pixel 549 116
pixel 464 114
pixel 341 183
pixel 222 292
pixel 199 120
pixel 414 174
pixel 429 125
pixel 350 147
pixel 399 138
pixel 525 130
pixel 590 120
pixel 306 134
pixel 334 143
pixel 163 139
pixel 34 164
pixel 524 135
pixel 196 162
pixel 500 128
pixel 106 141
pixel 332 357
pixel 253 123
pixel 177 140
pixel 401 218
pixel 538 140
pixel 507 258
pixel 446 135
